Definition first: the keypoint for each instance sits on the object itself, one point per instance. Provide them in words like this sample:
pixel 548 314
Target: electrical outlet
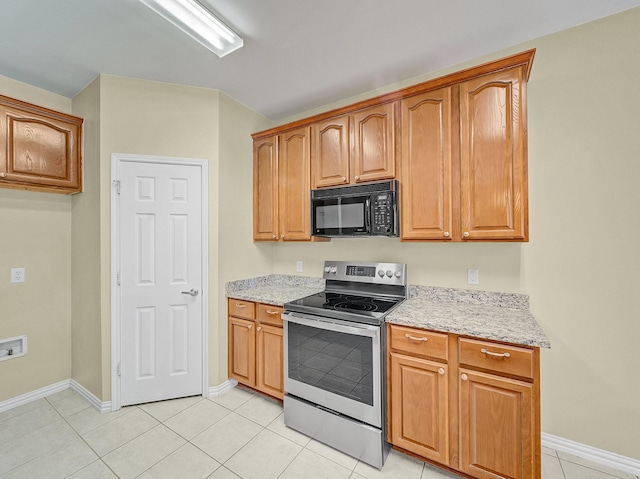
pixel 473 276
pixel 299 267
pixel 17 275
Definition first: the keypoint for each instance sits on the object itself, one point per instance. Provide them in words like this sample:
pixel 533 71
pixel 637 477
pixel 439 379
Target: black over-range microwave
pixel 369 209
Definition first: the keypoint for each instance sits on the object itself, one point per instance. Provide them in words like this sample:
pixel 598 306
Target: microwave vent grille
pixel 356 190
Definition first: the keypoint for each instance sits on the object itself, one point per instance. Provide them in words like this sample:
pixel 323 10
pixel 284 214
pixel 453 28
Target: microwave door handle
pixel 367 215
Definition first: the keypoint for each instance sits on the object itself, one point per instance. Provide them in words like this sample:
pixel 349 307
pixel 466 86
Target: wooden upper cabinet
pixel 493 157
pixel 354 148
pixel 265 189
pixel 427 183
pixel 40 149
pixel 374 144
pixel 331 152
pixel 294 183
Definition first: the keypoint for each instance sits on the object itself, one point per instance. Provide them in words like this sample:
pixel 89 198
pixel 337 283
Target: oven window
pixel 337 362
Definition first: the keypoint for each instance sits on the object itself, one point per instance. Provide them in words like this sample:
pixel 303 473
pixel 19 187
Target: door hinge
pixel 116 183
pixel 119 370
pixel 118 278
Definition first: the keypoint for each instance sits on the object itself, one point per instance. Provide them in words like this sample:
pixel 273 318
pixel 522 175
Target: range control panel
pixel 377 273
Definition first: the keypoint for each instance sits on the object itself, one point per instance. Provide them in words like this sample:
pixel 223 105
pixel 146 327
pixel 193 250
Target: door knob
pixel 191 292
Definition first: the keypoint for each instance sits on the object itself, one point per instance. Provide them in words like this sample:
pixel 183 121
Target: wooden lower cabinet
pixel 419 396
pixel 270 360
pixel 472 407
pixel 256 354
pixel 496 426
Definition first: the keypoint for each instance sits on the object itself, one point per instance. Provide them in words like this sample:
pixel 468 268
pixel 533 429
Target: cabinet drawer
pixel 419 342
pixel 242 309
pixel 496 357
pixel 270 314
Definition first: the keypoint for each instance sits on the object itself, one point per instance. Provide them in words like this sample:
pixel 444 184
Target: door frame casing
pixel 116 161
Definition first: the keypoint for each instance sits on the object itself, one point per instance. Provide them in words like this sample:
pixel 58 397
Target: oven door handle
pixel 339 326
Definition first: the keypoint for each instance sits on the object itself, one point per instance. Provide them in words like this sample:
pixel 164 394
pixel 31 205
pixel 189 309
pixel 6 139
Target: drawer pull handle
pixel 271 312
pixel 497 355
pixel 415 339
pixel 238 305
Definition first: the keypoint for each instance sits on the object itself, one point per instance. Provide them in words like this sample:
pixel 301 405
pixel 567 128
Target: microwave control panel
pixel 383 218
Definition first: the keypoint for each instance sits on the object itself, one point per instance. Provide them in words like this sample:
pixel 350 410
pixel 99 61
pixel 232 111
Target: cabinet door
pixel 294 179
pixel 330 154
pixel 270 360
pixel 419 398
pixel 265 190
pixel 374 144
pixel 496 427
pixel 426 194
pixel 242 351
pixel 40 149
pixel 493 167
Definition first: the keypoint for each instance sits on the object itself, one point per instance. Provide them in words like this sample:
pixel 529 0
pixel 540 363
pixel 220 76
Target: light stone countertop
pixel 274 289
pixel 480 314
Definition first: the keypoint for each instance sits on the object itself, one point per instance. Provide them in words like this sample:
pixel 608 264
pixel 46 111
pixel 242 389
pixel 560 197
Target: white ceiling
pixel 297 54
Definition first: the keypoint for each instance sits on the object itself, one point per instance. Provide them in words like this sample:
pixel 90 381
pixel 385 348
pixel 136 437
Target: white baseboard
pixel 34 395
pixel 100 406
pixel 215 391
pixel 605 458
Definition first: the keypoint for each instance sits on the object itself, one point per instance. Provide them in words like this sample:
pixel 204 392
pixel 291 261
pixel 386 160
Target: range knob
pixel 381 273
pixel 334 269
pixel 389 273
pixel 398 274
pixel 327 269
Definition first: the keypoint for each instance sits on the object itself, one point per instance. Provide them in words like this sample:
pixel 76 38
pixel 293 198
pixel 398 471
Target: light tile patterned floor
pixel 236 435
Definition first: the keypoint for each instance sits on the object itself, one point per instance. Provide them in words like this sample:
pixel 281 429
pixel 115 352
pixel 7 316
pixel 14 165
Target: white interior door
pixel 161 279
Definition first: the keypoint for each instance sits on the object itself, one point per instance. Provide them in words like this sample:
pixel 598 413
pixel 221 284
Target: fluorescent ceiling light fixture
pixel 199 23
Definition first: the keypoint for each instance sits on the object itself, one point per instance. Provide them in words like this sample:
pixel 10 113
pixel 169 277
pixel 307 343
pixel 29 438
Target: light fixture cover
pixel 199 23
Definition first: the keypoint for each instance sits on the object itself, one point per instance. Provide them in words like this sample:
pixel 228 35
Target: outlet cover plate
pixel 473 276
pixel 17 275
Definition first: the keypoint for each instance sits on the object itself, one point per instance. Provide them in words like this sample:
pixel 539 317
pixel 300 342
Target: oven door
pixel 341 216
pixel 335 365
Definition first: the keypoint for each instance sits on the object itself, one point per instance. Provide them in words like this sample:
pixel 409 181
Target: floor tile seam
pixel 335 462
pixel 290 462
pixel 155 463
pixel 126 442
pixel 30 411
pixel 220 464
pixel 591 468
pixel 133 408
pixel 47 452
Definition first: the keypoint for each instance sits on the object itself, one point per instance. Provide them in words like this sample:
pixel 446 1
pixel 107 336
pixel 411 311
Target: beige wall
pixel 36 235
pixel 581 267
pixel 86 353
pixel 237 257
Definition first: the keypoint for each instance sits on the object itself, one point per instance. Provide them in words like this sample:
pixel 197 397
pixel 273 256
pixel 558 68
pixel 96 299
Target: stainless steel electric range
pixel 334 361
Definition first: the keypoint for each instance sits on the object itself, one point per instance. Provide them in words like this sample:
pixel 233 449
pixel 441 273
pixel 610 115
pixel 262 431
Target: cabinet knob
pixel 3 175
pixel 446 234
pixel 344 179
pixel 259 328
pixel 250 326
pixel 440 370
pixel 465 234
pixel 282 236
pixel 464 377
pixel 273 236
pixel 357 178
